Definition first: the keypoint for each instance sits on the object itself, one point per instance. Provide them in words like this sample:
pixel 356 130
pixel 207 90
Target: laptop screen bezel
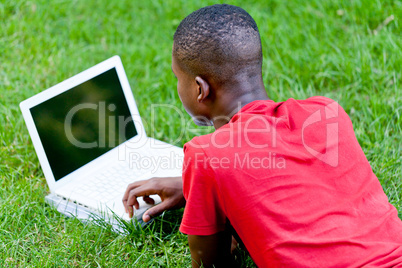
pixel 25 106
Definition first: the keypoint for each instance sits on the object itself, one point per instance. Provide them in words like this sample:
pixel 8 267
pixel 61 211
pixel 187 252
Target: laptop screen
pixel 83 123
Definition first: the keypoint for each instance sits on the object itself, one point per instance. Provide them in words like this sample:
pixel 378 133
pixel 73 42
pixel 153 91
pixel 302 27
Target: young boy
pixel 290 178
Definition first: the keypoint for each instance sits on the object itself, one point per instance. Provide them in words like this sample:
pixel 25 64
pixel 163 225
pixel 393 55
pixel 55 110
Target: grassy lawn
pixel 350 51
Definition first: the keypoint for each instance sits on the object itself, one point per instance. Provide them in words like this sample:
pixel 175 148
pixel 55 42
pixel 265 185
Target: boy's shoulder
pixel 292 113
pixel 319 100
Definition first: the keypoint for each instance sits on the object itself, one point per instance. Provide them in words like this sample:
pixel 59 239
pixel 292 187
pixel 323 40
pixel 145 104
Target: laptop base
pixel 71 209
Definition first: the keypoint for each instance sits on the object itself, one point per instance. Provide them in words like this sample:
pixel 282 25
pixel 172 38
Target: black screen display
pixel 83 123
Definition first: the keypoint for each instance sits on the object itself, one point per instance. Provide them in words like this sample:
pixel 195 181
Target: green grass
pixel 310 48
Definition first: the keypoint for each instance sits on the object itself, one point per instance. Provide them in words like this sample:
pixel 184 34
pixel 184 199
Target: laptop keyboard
pixel 110 182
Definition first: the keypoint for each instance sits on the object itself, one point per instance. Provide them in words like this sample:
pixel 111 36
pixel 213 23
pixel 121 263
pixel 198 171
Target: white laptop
pixel 91 143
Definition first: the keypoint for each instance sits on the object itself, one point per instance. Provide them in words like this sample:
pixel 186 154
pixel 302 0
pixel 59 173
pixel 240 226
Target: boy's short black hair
pixel 216 42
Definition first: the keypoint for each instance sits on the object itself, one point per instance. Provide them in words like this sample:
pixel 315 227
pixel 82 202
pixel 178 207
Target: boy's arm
pixel 211 250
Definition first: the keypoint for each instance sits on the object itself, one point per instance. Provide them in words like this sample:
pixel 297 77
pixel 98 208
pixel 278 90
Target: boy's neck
pixel 229 103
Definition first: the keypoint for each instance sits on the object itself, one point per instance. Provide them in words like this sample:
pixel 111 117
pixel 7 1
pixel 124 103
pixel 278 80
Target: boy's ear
pixel 203 89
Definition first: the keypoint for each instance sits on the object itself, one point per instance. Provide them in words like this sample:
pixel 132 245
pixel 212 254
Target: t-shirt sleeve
pixel 204 213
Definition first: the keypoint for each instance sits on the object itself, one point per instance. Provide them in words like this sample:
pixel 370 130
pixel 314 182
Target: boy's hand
pixel 234 245
pixel 169 189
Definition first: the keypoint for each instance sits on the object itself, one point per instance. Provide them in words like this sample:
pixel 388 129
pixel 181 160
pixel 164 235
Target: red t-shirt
pixel 294 183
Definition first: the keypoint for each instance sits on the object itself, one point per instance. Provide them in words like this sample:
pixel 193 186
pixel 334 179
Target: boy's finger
pixel 132 186
pixel 125 205
pixel 143 190
pixel 155 211
pixel 132 192
pixel 130 212
pixel 132 200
